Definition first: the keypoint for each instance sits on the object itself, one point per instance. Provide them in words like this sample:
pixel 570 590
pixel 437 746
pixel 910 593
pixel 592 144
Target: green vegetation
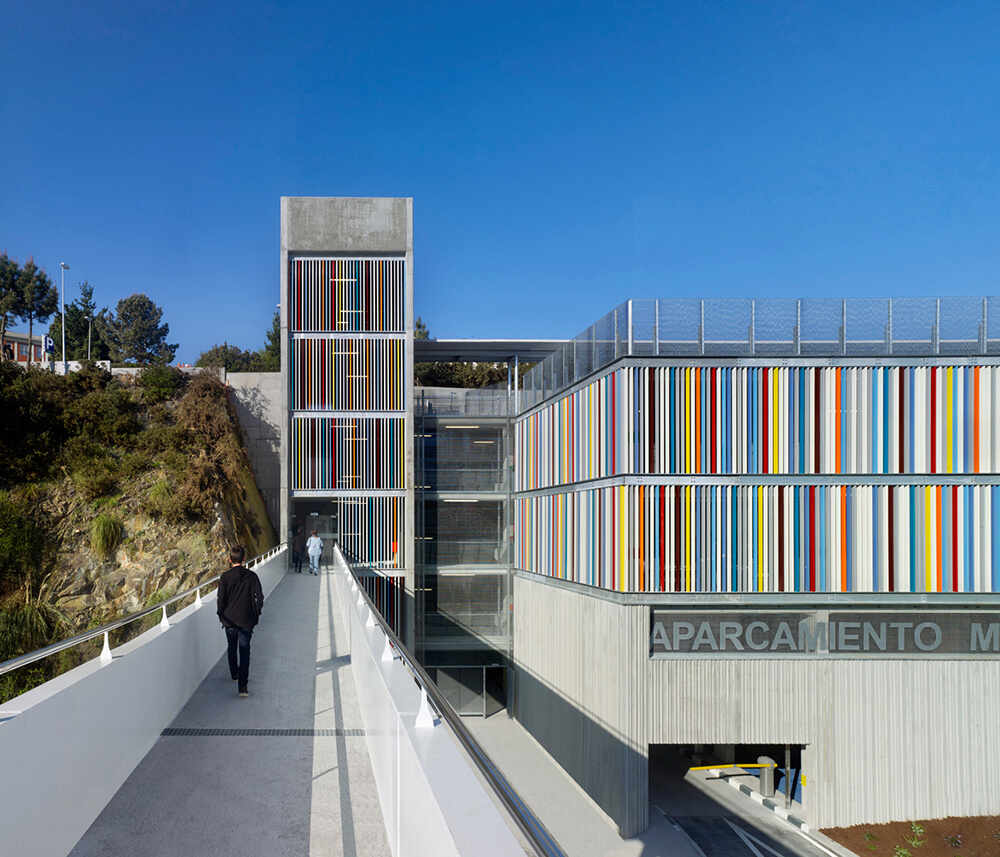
pixel 464 375
pixel 160 382
pixel 106 534
pixel 25 549
pixel 84 328
pixel 26 626
pixel 134 333
pixel 72 449
pixel 234 359
pixel 26 293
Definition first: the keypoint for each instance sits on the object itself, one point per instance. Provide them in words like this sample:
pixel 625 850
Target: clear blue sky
pixel 561 157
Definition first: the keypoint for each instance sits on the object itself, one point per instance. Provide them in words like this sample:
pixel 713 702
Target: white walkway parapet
pixel 432 801
pixel 68 745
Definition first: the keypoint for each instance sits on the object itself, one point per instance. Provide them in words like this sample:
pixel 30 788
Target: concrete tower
pixel 347 380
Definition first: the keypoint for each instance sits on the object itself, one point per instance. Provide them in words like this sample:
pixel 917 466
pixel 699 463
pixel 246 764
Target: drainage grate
pixel 264 733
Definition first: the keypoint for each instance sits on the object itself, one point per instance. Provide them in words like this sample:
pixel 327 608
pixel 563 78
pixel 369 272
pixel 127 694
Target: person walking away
pixel 298 549
pixel 315 547
pixel 240 601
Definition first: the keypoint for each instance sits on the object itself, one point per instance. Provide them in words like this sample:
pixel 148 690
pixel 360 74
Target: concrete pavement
pixel 284 772
pixel 690 814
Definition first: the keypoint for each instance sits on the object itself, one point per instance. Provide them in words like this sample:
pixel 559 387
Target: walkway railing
pixel 69 744
pixel 106 630
pixel 431 700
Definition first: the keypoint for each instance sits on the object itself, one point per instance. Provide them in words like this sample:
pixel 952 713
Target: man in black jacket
pixel 240 601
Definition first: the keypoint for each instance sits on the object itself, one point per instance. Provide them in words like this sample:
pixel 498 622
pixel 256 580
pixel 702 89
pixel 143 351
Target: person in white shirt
pixel 314 547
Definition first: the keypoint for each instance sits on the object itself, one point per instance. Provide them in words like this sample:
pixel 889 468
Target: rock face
pixel 155 555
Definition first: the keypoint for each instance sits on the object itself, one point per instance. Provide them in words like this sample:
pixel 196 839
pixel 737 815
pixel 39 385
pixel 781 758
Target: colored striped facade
pixel 348 397
pixel 766 538
pixel 693 477
pixel 347 295
pixel 725 420
pixel 346 450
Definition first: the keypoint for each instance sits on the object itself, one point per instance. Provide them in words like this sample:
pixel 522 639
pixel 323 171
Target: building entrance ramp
pixel 283 772
pixel 573 819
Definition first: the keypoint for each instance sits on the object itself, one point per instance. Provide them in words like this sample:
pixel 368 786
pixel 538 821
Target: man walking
pixel 314 545
pixel 240 601
pixel 298 548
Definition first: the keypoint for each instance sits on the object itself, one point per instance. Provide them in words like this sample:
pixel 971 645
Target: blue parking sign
pixel 50 346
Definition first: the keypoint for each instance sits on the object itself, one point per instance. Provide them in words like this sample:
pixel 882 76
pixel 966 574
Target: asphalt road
pixel 718 820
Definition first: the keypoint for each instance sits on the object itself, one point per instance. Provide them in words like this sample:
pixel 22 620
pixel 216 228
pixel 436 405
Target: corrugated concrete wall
pixel 581 692
pixel 904 740
pixel 884 739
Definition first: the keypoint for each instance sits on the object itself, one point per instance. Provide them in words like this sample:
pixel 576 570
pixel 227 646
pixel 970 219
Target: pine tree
pixel 81 325
pixel 134 332
pixel 271 352
pixel 10 298
pixel 38 297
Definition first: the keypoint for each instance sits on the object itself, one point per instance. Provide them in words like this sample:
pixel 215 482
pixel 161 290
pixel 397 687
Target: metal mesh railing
pixel 448 402
pixel 820 327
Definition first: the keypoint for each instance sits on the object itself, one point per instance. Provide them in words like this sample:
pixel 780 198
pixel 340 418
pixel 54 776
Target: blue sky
pixel 561 157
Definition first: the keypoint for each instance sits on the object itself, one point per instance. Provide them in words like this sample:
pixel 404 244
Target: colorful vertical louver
pixel 766 420
pixel 347 322
pixel 766 538
pixel 347 374
pixel 347 295
pixel 719 428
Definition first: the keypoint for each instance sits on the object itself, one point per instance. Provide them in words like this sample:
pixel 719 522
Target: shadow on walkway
pixel 284 772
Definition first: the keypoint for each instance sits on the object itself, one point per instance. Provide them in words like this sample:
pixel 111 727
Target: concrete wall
pixel 68 745
pixel 884 739
pixel 76 365
pixel 257 397
pixel 580 690
pixel 346 225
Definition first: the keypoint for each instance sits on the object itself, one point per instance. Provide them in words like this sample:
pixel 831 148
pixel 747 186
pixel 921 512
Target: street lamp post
pixel 90 322
pixel 65 268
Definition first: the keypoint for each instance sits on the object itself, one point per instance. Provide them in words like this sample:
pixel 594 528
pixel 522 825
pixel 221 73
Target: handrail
pixel 530 826
pixel 69 642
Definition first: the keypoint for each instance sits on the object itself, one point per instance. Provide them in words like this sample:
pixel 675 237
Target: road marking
pixel 680 830
pixel 749 841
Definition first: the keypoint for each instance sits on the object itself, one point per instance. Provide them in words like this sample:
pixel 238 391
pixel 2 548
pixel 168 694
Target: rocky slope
pixel 158 460
pixel 156 556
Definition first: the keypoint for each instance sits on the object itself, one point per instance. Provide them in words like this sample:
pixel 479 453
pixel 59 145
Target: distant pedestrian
pixel 298 549
pixel 315 547
pixel 240 600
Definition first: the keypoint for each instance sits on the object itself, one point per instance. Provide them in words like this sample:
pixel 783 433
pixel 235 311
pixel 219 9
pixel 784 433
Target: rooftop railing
pixel 814 327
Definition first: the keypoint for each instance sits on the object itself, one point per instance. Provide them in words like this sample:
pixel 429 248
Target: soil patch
pixel 941 837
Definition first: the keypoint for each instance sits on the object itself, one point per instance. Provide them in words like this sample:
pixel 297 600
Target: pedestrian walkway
pixel 284 772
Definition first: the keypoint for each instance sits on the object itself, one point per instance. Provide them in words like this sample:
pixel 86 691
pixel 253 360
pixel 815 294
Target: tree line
pixel 133 333
pixel 466 375
pixel 232 358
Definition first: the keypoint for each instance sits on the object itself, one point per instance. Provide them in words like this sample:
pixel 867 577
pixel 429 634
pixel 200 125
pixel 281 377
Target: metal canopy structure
pixel 484 350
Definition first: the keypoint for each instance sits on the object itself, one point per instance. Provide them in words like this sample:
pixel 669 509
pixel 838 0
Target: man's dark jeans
pixel 239 638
